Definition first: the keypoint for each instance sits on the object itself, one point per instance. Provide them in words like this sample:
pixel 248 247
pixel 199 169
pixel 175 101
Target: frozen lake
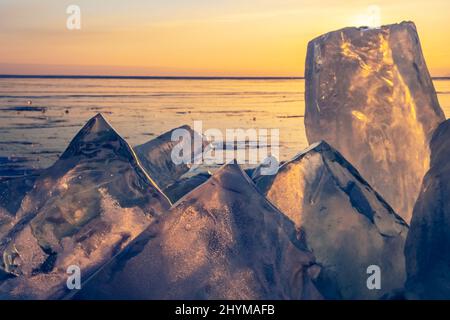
pixel 140 109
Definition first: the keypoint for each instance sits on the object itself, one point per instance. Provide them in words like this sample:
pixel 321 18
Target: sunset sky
pixel 196 37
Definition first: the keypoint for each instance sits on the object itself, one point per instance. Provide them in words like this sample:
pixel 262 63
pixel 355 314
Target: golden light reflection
pixel 389 108
pixel 360 116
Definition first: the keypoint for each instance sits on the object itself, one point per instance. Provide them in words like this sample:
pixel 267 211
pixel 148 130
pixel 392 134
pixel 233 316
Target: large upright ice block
pixel 369 94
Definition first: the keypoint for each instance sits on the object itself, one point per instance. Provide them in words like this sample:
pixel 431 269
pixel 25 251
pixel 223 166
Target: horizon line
pixel 45 76
pixel 62 76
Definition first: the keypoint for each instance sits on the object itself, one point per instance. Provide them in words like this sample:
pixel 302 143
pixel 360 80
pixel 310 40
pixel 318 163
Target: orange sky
pixel 196 37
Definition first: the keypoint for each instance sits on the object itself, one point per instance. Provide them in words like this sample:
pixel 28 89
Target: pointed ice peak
pixel 231 175
pixel 230 167
pixel 321 159
pixel 156 155
pixel 100 123
pixel 166 137
pixel 96 124
pixel 97 134
pixel 85 208
pixel 184 126
pixel 328 153
pixel 164 143
pixel 223 240
pixel 323 149
pixel 343 220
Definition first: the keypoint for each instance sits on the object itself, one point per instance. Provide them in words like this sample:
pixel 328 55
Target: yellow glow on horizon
pixel 371 18
pixel 255 38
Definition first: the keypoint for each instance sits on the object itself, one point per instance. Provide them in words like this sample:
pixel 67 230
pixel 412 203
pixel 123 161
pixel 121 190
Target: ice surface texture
pixel 81 211
pixel 156 156
pixel 344 222
pixel 223 240
pixel 369 94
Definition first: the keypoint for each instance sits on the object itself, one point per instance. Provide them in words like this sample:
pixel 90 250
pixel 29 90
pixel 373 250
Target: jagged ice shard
pixel 81 211
pixel 343 221
pixel 369 94
pixel 223 240
pixel 427 246
pixel 156 155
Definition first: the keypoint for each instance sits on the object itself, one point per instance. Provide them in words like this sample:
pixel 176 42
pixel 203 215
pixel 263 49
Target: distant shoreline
pixel 21 76
pixel 12 76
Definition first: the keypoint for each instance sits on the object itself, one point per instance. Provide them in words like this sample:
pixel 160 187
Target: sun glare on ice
pixel 370 18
